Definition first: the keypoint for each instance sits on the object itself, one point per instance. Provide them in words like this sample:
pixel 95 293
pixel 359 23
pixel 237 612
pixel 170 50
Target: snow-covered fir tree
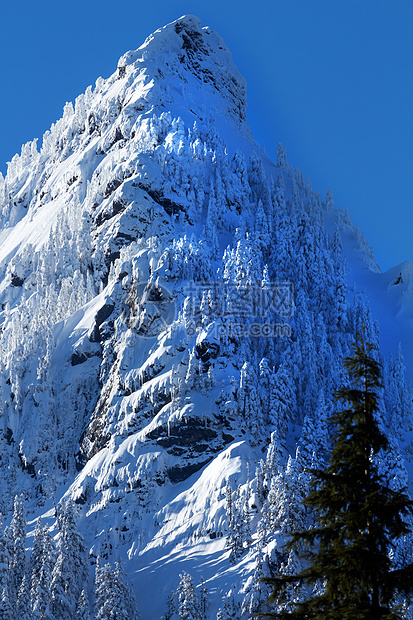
pixel 114 598
pixel 70 570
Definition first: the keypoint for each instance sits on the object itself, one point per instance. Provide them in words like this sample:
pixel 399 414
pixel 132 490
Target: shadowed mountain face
pixel 175 309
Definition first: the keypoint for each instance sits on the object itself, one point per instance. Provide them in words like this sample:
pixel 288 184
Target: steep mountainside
pixel 175 309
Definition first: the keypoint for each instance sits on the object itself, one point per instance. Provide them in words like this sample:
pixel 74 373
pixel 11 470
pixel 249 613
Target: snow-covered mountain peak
pixel 189 67
pixel 181 79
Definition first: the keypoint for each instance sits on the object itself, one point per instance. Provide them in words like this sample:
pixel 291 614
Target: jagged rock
pixel 101 316
pixel 78 358
pixel 179 473
pixel 17 281
pixel 189 434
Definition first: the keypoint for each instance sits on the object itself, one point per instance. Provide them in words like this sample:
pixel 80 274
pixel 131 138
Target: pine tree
pixel 23 601
pixel 126 598
pixel 188 604
pixel 397 398
pixel 246 514
pixel 171 606
pixel 17 563
pixel 114 599
pixel 256 598
pixel 282 399
pixel 41 562
pixel 230 609
pixel 314 435
pixel 281 156
pixel 104 591
pixel 285 498
pixel 4 558
pixel 69 571
pixel 5 606
pixel 235 539
pixel 358 517
pixel 203 600
pixel 248 400
pixel 329 200
pixel 36 557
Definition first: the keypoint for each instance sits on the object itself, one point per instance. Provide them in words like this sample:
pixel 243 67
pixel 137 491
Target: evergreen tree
pixel 338 301
pixel 314 435
pixel 17 562
pixel 171 606
pixel 4 558
pixel 188 604
pixel 358 517
pixel 5 606
pixel 249 404
pixel 258 182
pixel 203 599
pixel 126 598
pixel 397 398
pixel 69 572
pixel 246 515
pixel 272 460
pixel 256 598
pixel 235 539
pixel 230 609
pixel 23 611
pixel 42 560
pixel 260 481
pixel 114 598
pixel 36 557
pixel 285 498
pixel 105 592
pixel 281 156
pixel 282 400
pixel 329 200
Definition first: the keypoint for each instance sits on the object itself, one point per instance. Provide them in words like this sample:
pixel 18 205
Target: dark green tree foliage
pixel 348 568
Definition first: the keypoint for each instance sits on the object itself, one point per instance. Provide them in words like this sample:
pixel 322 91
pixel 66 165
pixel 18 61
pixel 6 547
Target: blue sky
pixel 331 79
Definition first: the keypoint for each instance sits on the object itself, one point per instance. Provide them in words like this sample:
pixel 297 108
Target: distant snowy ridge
pixel 175 309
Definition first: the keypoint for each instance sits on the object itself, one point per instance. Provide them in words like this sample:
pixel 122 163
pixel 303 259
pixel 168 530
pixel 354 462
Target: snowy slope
pixel 390 295
pixel 146 232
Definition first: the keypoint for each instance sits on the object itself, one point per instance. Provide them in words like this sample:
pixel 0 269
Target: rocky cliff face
pixel 175 309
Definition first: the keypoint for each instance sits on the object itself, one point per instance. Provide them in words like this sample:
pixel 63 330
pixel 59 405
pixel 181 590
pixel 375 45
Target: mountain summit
pixel 187 69
pixel 175 309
